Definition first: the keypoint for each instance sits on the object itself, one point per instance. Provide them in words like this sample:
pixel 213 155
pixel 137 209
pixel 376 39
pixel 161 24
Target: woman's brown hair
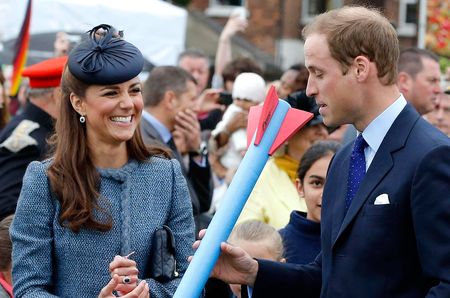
pixel 72 174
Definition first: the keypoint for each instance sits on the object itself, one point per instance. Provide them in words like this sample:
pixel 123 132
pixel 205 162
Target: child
pixel 301 236
pixel 248 90
pixel 258 239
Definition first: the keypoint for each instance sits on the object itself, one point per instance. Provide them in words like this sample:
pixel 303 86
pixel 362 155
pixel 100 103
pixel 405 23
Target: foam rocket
pixel 269 126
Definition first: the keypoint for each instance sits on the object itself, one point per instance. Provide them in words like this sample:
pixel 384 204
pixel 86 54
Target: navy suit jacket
pixel 397 250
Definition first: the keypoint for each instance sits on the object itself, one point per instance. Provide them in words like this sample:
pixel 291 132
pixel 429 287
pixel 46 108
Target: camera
pixel 225 98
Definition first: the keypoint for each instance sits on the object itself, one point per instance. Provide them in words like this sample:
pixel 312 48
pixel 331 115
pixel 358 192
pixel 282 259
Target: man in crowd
pixel 24 139
pixel 440 116
pixel 386 204
pixel 419 78
pixel 196 63
pixel 169 97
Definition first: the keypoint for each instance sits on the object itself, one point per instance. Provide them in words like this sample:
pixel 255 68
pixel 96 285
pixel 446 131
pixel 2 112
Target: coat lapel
pixel 382 163
pixel 151 135
pixel 338 210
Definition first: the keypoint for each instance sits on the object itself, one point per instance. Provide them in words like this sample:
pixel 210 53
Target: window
pixel 311 8
pixel 407 18
pixel 223 8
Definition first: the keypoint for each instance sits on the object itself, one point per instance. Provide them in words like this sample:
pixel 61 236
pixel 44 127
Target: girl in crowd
pixel 301 236
pixel 260 240
pixel 86 217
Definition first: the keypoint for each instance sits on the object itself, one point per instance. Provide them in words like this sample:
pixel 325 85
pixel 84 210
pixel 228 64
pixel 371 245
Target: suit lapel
pixel 151 134
pixel 382 163
pixel 338 210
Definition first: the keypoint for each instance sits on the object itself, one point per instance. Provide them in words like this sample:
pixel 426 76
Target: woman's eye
pixel 317 183
pixel 110 93
pixel 136 90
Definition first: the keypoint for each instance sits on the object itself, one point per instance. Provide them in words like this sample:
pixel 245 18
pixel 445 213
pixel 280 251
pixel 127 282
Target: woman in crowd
pixel 4 107
pixel 86 217
pixel 301 236
pixel 275 196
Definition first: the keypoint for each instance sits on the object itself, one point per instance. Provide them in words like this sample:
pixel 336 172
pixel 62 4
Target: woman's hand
pixel 127 273
pixel 140 291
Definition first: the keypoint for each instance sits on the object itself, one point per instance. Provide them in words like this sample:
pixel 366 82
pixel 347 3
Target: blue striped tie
pixel 357 169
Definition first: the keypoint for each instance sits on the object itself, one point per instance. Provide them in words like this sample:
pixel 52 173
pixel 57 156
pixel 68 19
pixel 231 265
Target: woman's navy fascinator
pixel 105 58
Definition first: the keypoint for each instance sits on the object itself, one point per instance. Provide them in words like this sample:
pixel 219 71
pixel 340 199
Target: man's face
pixel 440 116
pixel 184 101
pixel 198 68
pixel 333 90
pixel 423 90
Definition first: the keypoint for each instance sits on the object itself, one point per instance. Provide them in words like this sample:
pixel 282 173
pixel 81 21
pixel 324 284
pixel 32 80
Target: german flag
pixel 21 51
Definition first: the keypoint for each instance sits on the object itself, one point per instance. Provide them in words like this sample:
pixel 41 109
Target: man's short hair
pixel 355 31
pixel 39 92
pixel 193 53
pixel 162 79
pixel 410 60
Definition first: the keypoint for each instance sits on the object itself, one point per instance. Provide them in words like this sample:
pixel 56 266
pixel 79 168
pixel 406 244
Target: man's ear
pixel 170 100
pixel 404 82
pixel 77 104
pixel 361 68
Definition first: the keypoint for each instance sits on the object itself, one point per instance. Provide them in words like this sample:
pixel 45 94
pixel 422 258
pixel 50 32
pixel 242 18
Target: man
pixel 440 116
pixel 169 97
pixel 196 63
pixel 24 138
pixel 419 78
pixel 386 204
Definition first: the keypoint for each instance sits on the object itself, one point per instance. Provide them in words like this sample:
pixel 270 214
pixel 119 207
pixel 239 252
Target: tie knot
pixel 360 144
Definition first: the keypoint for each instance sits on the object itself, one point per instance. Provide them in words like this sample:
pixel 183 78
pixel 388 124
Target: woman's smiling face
pixel 112 112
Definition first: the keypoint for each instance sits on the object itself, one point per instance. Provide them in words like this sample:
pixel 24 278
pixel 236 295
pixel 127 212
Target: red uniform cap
pixel 45 74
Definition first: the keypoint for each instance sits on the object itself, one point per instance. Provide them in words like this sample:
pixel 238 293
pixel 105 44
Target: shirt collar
pixel 378 128
pixel 162 130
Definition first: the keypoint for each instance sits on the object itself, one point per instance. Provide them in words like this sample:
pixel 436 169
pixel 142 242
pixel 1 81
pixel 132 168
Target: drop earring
pixel 82 119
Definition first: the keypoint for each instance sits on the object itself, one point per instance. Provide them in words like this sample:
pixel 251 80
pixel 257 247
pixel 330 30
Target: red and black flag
pixel 21 51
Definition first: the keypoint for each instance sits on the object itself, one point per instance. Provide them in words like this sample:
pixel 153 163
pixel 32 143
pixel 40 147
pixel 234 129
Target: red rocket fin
pixel 252 123
pixel 270 104
pixel 293 121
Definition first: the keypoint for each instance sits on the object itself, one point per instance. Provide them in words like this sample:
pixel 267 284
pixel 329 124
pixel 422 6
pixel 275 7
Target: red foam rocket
pixel 259 118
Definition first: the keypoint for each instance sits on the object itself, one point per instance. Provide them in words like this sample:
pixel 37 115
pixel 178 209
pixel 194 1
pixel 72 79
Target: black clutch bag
pixel 162 265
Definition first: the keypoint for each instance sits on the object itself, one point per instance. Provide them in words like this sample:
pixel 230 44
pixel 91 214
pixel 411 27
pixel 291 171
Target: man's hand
pixel 234 266
pixel 188 125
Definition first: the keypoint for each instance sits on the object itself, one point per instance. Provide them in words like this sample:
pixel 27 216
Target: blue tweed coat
pixel 51 261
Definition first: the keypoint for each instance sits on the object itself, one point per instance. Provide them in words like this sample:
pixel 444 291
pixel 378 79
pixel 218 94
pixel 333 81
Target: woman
pixel 90 212
pixel 4 107
pixel 301 236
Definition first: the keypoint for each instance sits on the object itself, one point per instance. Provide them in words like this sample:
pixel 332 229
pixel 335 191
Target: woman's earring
pixel 82 119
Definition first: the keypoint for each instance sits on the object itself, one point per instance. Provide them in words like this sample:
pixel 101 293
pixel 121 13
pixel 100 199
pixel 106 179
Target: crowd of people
pixel 98 165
